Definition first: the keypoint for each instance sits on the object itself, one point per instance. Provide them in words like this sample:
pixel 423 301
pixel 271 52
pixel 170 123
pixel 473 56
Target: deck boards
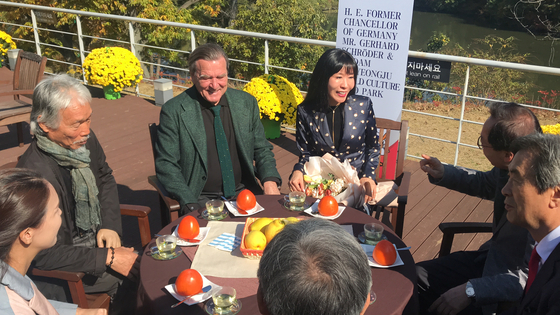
pixel 122 129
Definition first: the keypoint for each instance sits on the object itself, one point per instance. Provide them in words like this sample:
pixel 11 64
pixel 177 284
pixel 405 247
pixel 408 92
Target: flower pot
pixel 271 128
pixel 110 93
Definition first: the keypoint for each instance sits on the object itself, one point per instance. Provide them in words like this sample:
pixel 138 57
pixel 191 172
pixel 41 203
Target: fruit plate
pixel 232 207
pixel 201 236
pixel 368 249
pixel 197 298
pixel 313 211
pixel 249 253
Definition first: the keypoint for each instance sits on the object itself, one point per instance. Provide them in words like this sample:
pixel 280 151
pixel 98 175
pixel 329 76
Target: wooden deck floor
pixel 122 129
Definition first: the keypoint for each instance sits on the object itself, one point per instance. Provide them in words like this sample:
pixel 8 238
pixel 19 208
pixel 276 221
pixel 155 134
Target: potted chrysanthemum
pixel 6 43
pixel 113 68
pixel 278 99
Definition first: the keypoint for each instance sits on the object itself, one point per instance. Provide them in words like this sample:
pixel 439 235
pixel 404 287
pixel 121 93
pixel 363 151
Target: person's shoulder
pixel 177 101
pixel 352 99
pixel 239 94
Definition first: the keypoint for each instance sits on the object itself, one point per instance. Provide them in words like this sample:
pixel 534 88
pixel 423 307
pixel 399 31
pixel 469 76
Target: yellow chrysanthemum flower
pixel 552 129
pixel 277 97
pixel 114 66
pixel 6 43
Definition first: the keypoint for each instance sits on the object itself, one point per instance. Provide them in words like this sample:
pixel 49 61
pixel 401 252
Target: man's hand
pixel 124 260
pixel 370 188
pixel 451 302
pixel 432 166
pixel 271 188
pixel 108 238
pixel 91 311
pixel 296 183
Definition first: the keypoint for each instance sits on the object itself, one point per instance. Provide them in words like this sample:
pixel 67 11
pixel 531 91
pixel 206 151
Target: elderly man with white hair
pixel 66 152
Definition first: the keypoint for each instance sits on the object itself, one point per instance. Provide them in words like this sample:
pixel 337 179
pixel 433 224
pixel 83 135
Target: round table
pixel 394 287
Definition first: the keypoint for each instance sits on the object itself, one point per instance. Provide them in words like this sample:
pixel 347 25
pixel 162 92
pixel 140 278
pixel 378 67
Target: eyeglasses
pixel 480 145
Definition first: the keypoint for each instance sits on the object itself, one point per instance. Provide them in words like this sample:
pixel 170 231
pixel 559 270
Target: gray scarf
pixel 84 187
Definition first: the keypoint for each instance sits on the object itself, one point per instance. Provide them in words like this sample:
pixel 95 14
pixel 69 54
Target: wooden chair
pixel 449 230
pixel 74 279
pixel 402 179
pixel 28 72
pixel 169 207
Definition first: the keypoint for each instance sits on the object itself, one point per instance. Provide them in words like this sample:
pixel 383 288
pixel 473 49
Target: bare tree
pixel 534 15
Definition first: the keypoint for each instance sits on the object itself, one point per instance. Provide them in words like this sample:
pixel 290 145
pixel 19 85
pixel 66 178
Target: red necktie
pixel 533 268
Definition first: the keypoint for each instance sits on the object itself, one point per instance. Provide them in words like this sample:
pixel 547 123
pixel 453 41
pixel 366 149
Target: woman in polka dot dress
pixel 332 119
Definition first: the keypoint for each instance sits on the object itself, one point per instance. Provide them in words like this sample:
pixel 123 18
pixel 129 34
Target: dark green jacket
pixel 181 146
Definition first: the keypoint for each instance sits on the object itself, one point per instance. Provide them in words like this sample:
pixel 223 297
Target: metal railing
pixel 134 46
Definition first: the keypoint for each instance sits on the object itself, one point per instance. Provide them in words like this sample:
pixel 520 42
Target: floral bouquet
pixel 6 43
pixel 277 97
pixel 318 187
pixel 112 66
pixel 327 173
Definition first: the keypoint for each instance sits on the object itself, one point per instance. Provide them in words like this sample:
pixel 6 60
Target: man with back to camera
pixel 533 202
pixel 66 152
pixel 313 267
pixel 209 137
pixel 474 282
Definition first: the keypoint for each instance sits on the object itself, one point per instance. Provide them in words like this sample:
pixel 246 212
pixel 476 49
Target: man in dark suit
pixel 475 282
pixel 533 202
pixel 211 142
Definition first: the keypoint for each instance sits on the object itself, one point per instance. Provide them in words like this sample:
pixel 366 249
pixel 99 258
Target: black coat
pixel 63 255
pixel 543 296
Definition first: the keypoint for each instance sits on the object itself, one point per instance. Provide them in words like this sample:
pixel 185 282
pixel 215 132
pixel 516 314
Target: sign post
pixel 377 34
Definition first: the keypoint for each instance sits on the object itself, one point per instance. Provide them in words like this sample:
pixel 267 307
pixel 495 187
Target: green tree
pixel 297 18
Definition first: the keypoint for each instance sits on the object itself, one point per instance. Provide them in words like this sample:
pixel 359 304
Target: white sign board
pixel 377 34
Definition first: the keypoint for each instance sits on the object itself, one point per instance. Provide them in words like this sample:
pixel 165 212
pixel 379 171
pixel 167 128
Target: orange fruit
pixel 189 282
pixel 385 253
pixel 328 206
pixel 188 228
pixel 246 200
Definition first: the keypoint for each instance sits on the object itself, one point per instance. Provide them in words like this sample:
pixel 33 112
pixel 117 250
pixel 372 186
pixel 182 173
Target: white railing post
pixel 133 49
pixel 36 33
pixel 266 56
pixel 463 101
pixel 193 41
pixel 81 47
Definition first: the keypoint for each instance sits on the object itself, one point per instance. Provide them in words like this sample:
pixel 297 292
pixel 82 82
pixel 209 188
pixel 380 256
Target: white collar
pixel 548 244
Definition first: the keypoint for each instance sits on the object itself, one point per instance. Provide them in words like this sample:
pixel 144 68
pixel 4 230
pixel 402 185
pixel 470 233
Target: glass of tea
pixel 224 300
pixel 166 245
pixel 296 200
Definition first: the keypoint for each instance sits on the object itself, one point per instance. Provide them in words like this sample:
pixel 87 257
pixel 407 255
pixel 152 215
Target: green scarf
pixel 84 186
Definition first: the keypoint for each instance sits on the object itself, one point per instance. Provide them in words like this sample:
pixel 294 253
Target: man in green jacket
pixel 198 159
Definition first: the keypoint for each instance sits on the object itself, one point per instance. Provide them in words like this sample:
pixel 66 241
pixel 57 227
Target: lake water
pixel 425 24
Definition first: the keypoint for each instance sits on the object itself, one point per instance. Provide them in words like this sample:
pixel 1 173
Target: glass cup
pixel 296 200
pixel 166 245
pixel 373 232
pixel 215 208
pixel 224 299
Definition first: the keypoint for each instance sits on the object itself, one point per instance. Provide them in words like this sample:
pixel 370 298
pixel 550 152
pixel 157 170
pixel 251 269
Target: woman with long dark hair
pixel 29 222
pixel 332 119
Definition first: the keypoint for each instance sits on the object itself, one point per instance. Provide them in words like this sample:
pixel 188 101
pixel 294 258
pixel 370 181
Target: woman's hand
pixel 297 183
pixel 370 188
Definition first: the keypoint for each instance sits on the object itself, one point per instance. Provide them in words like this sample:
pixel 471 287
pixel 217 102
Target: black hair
pixel 24 195
pixel 512 121
pixel 330 63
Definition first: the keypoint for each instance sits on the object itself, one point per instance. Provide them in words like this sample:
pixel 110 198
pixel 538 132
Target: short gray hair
pixel 545 154
pixel 208 52
pixel 314 267
pixel 52 95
